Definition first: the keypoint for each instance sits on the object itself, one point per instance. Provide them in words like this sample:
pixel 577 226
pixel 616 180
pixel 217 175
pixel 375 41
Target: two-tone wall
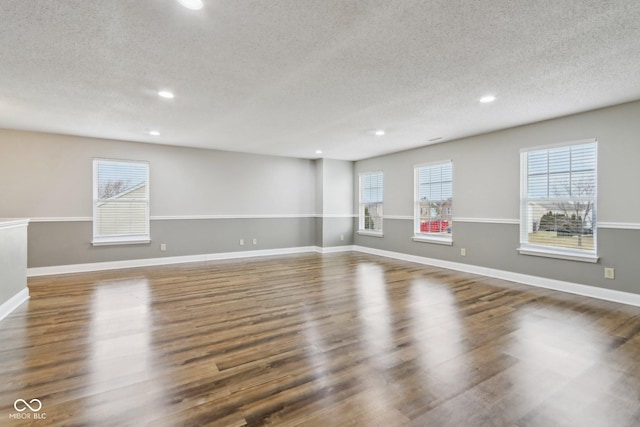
pixel 486 185
pixel 13 264
pixel 334 198
pixel 202 201
pixel 205 201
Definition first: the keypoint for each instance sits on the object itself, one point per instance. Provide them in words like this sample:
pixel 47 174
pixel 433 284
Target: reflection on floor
pixel 326 340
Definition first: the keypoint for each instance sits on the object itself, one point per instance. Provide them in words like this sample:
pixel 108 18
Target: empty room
pixel 319 213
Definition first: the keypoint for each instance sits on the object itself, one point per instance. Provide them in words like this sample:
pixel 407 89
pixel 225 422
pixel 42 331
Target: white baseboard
pixel 558 285
pixel 334 249
pixel 148 262
pixel 541 282
pixel 14 302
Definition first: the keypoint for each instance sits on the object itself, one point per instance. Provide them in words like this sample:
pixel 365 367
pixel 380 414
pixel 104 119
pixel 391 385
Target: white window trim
pixel 370 233
pixel 137 239
pixel 558 253
pixel 560 145
pixel 438 239
pixel 551 251
pixel 124 240
pixel 361 230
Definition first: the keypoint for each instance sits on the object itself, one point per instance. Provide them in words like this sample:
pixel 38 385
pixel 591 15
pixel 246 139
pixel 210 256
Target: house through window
pixel 371 202
pixel 120 202
pixel 433 202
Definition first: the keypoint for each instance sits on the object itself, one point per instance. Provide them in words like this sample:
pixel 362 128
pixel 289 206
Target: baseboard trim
pixel 541 282
pixel 14 302
pixel 334 249
pixel 149 262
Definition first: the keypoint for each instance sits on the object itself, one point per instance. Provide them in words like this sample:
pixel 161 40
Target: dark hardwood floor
pixel 322 340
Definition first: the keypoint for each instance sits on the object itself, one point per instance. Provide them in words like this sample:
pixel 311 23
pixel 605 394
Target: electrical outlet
pixel 255 241
pixel 241 242
pixel 609 273
pixel 163 247
pixel 342 237
pixel 463 251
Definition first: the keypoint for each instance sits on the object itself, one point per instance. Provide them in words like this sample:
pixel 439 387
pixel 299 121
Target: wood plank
pixel 345 339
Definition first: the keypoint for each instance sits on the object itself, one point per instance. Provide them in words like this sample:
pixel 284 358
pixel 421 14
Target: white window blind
pixel 371 201
pixel 120 202
pixel 433 201
pixel 558 203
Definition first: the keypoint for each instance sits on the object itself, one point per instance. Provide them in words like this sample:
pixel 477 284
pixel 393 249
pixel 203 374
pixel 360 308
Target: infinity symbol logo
pixel 26 405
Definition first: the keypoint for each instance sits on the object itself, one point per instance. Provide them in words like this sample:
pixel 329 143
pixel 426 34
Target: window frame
pixel 378 232
pixel 548 251
pixel 418 235
pixel 123 239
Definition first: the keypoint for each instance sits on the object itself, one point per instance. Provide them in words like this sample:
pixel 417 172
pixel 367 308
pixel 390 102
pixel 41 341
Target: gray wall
pixel 13 261
pixel 49 175
pixel 286 202
pixel 334 199
pixel 487 186
pixel 64 243
pixel 319 202
pixel 48 178
pixel 337 184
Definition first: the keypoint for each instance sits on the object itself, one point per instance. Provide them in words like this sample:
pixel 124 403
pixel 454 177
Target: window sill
pixel 448 241
pixel 370 233
pixel 120 241
pixel 557 254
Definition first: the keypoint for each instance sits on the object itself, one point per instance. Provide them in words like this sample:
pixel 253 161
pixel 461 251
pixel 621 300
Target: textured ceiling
pixel 287 77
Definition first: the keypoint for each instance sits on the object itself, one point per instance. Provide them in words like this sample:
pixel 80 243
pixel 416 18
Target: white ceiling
pixel 287 77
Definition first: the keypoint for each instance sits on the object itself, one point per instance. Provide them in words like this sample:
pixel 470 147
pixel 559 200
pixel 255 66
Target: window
pixel 433 203
pixel 120 202
pixel 371 200
pixel 558 201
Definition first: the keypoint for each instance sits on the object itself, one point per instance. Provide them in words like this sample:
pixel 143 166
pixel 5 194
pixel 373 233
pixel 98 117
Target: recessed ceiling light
pixel 154 133
pixel 318 151
pixel 488 98
pixel 166 94
pixel 192 4
pixel 379 132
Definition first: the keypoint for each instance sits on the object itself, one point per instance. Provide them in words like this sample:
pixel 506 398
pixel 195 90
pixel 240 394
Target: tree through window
pixel 120 202
pixel 558 202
